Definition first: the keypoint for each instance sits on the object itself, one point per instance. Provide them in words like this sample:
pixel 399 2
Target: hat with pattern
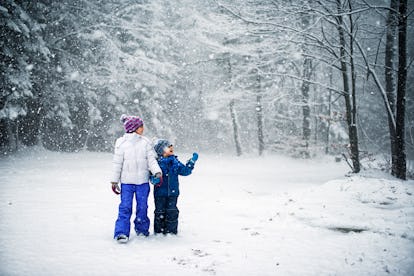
pixel 131 123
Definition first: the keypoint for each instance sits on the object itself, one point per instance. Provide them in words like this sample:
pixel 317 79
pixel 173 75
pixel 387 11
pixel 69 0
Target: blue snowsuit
pixel 166 194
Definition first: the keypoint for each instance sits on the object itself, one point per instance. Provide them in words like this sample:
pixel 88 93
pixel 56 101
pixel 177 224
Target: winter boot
pixel 171 221
pixel 145 234
pixel 122 238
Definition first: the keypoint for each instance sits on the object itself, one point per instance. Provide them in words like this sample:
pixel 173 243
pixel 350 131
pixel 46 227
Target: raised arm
pixel 188 167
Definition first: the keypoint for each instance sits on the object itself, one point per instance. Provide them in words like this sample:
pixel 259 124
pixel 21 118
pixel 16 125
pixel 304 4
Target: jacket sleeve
pixel 185 170
pixel 152 162
pixel 117 162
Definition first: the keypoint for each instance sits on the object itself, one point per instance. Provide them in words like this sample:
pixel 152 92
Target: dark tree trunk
pixel 328 127
pixel 306 129
pixel 259 114
pixel 400 168
pixel 259 110
pixel 4 139
pixel 9 135
pixel 306 76
pixel 389 74
pixel 350 112
pixel 233 115
pixel 354 148
pixel 235 128
pixel 29 124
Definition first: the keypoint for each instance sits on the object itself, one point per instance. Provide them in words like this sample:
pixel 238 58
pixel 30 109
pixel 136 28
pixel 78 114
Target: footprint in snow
pixel 199 253
pixel 191 262
pixel 180 261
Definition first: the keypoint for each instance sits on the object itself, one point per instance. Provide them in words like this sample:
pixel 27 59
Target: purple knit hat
pixel 131 123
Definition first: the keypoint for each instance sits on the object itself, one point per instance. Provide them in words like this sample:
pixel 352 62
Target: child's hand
pixel 115 188
pixel 193 159
pixel 156 179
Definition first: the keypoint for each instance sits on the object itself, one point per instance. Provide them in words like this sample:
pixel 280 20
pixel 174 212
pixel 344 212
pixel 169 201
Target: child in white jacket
pixel 134 158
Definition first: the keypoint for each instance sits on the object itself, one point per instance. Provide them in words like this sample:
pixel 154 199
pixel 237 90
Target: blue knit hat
pixel 161 145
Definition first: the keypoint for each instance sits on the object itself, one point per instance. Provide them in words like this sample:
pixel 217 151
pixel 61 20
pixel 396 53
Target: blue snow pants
pixel 142 222
pixel 165 215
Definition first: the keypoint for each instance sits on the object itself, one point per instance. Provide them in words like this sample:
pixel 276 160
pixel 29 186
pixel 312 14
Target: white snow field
pixel 238 216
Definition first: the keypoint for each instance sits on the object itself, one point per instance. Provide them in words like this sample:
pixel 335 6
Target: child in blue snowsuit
pixel 166 192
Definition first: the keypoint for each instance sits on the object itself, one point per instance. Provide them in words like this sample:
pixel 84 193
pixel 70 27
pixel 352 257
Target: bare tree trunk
pixel 317 109
pixel 259 109
pixel 306 76
pixel 400 162
pixel 328 127
pixel 39 137
pixel 88 135
pixel 259 114
pixel 233 112
pixel 11 135
pixel 235 128
pixel 16 134
pixel 355 148
pixel 306 130
pixel 350 112
pixel 389 74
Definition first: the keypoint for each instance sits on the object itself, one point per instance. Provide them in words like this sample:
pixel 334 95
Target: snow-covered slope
pixel 238 216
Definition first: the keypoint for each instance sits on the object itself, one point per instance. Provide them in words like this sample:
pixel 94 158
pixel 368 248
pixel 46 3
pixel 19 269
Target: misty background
pixel 238 77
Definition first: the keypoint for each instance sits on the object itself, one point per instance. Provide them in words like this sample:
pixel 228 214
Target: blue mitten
pixel 193 159
pixel 156 179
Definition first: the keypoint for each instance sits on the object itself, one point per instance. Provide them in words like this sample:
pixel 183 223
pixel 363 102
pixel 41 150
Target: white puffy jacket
pixel 133 159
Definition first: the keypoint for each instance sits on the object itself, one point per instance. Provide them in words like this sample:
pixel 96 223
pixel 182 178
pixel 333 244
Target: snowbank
pixel 373 219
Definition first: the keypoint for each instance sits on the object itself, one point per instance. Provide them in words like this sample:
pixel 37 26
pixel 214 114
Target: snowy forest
pixel 299 113
pixel 243 77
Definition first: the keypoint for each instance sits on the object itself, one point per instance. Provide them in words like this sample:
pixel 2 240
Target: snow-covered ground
pixel 238 216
